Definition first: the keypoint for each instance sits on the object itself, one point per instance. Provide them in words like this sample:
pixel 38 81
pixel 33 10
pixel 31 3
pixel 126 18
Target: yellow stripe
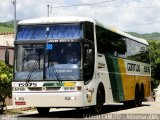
pixel 127 81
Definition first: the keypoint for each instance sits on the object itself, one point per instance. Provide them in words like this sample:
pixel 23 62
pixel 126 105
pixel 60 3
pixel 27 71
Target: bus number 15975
pixel 27 84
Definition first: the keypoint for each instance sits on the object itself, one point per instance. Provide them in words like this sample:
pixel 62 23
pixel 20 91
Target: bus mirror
pixel 7 57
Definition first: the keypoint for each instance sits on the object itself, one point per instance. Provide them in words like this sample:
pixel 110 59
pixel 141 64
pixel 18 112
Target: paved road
pixel 116 109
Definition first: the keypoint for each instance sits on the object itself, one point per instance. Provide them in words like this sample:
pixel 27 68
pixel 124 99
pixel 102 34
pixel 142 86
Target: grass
pixel 5 29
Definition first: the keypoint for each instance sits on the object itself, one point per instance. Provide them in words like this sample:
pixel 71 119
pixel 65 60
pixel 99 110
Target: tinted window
pixel 137 51
pixel 89 31
pixel 54 31
pixel 110 43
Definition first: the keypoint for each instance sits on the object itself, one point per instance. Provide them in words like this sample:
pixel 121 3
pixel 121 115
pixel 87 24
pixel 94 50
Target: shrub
pixel 5 84
pixel 155 62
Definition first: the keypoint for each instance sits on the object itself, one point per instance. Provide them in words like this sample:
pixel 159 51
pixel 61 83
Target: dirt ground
pixel 8 102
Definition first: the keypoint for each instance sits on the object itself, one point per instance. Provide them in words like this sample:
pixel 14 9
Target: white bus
pixel 76 62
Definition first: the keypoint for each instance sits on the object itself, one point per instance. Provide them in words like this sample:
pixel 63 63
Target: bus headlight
pixel 69 88
pixel 70 98
pixel 22 89
pixel 78 88
pixel 19 98
pixel 16 88
pixel 19 89
pixel 73 98
pixel 66 88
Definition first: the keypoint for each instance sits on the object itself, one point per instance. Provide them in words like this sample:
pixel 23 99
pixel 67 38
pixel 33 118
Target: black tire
pixel 141 96
pixel 129 104
pixel 138 101
pixel 43 110
pixel 97 109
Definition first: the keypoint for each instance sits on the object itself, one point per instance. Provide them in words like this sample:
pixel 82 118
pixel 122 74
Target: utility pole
pixel 15 21
pixel 47 10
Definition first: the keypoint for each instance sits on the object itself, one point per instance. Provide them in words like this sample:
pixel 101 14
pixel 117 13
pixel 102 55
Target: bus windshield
pixel 50 61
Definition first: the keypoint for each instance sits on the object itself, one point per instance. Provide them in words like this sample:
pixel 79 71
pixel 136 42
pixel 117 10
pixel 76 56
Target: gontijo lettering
pixel 146 69
pixel 133 67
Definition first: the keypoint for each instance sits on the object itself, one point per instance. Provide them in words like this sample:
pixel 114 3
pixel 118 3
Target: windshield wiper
pixel 53 69
pixel 34 67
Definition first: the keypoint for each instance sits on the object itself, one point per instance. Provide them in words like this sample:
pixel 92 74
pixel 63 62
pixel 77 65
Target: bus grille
pixel 52 88
pixel 35 88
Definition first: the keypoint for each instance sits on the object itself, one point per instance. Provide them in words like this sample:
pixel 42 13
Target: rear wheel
pixel 43 110
pixel 138 101
pixel 141 95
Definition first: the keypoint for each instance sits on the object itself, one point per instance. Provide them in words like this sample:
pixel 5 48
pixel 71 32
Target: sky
pixel 142 16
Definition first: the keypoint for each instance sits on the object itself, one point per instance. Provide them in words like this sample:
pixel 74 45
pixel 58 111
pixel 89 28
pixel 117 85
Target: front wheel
pixel 99 103
pixel 43 110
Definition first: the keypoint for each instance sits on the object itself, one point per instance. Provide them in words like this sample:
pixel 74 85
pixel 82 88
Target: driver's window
pixel 89 56
pixel 88 61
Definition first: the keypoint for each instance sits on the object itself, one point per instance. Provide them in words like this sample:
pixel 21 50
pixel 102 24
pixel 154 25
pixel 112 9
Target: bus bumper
pixel 71 99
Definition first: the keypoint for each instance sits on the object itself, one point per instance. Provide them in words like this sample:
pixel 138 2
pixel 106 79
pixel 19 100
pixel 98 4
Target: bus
pixel 75 62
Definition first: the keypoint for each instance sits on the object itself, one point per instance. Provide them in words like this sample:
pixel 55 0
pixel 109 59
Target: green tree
pixel 155 62
pixel 5 83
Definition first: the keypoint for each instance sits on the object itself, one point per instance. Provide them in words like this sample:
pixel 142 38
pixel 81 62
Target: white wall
pixel 158 94
pixel 7 40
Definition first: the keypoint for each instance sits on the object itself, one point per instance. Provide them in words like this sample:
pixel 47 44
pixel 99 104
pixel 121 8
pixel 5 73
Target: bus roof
pixel 58 19
pixel 141 40
pixel 74 19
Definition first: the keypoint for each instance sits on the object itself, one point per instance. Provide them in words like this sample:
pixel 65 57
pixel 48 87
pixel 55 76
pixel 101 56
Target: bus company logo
pixel 147 69
pixel 133 67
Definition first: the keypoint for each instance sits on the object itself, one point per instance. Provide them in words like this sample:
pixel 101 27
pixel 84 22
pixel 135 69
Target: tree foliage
pixel 155 62
pixel 5 83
